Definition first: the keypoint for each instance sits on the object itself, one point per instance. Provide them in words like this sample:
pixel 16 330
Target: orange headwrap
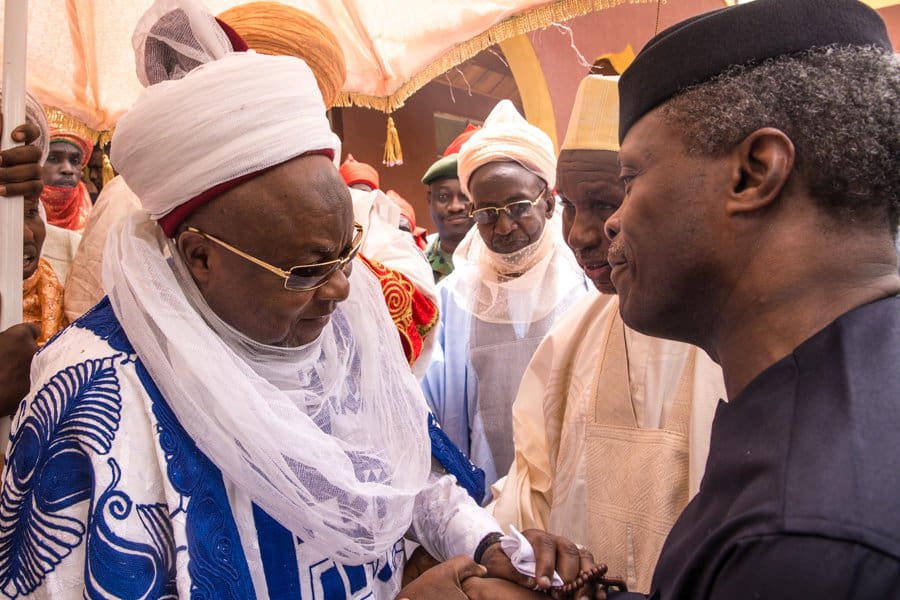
pixel 354 171
pixel 279 30
pixel 461 139
pixel 406 209
pixel 70 137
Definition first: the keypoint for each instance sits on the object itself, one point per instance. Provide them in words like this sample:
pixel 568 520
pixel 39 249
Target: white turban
pixel 224 120
pixel 507 136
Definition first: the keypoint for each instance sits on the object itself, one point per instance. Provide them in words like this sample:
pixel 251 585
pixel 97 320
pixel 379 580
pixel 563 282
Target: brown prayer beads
pixel 596 575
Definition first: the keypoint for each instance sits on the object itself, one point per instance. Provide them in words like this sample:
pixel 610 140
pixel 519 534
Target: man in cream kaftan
pixel 611 426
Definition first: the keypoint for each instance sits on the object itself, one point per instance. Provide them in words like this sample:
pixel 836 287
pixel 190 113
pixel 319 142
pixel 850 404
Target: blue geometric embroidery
pixel 217 565
pixel 75 414
pixel 102 322
pixel 121 568
pixel 454 461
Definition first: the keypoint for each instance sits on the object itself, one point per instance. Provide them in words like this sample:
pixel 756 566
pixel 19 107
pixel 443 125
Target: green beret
pixel 443 168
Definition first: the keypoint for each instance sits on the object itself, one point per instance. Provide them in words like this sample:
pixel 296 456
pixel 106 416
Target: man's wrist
pixel 485 543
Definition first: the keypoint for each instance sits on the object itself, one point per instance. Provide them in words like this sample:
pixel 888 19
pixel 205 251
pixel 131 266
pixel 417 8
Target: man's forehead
pixel 582 159
pixel 449 184
pixel 60 146
pixel 643 140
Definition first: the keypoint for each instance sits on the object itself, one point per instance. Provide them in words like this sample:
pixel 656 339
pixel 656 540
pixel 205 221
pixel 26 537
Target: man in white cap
pixel 611 426
pixel 513 277
pixel 236 420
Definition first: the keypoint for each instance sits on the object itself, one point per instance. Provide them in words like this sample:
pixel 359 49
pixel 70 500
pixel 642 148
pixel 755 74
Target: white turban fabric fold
pixel 507 136
pixel 179 139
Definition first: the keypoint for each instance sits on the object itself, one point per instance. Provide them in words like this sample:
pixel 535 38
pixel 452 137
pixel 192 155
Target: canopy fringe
pixel 58 119
pixel 537 18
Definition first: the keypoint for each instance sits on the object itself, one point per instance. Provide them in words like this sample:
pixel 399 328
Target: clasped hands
pixel 460 578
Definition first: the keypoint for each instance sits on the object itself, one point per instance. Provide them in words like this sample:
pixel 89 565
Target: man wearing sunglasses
pixel 513 276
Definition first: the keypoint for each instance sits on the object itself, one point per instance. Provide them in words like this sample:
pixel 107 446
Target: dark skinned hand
pixel 20 169
pixel 419 562
pixel 443 582
pixel 552 552
pixel 489 588
pixel 17 347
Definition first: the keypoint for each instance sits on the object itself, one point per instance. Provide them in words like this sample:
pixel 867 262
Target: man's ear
pixel 194 250
pixel 761 166
pixel 550 199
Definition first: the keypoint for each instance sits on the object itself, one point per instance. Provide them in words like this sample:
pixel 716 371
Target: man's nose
pixel 458 203
pixel 613 225
pixel 505 224
pixel 585 233
pixel 337 289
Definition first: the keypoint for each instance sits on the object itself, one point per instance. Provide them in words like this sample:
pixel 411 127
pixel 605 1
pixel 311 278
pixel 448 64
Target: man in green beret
pixel 449 207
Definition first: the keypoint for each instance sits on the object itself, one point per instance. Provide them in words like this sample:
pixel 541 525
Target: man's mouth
pixel 457 219
pixel 29 258
pixel 596 269
pixel 66 182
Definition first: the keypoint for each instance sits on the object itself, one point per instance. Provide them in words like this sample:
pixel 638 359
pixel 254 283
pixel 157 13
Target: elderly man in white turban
pixel 514 276
pixel 167 48
pixel 237 419
pixel 611 426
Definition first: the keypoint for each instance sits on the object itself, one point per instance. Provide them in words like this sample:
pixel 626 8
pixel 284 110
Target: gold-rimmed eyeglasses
pixel 300 278
pixel 516 210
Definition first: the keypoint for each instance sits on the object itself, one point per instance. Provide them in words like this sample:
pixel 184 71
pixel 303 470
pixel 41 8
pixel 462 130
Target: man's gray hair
pixel 840 106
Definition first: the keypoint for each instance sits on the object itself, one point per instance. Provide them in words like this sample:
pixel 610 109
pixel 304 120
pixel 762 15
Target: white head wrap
pixel 331 438
pixel 227 118
pixel 506 136
pixel 174 37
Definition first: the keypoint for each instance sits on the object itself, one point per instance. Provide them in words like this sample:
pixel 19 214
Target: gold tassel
pixel 108 172
pixel 393 153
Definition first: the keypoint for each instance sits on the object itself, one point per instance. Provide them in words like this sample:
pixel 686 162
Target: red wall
pixel 364 131
pixel 597 33
pixel 610 30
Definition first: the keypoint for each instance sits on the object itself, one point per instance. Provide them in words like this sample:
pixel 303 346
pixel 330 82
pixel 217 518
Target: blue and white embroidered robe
pixel 105 496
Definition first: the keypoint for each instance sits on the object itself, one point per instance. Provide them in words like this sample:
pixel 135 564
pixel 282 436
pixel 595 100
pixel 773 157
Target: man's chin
pixel 457 230
pixel 604 285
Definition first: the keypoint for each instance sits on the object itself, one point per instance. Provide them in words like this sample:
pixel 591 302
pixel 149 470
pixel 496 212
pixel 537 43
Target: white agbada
pixel 611 430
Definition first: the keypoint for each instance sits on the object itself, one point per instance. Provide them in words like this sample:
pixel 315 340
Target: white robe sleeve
pixel 446 521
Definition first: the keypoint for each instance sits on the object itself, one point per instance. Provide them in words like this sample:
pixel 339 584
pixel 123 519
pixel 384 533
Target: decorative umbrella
pixel 81 61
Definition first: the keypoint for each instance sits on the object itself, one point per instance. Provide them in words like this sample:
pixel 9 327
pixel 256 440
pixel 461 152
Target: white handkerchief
pixel 521 554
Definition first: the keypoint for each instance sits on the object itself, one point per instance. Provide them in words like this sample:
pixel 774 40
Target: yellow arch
pixel 529 76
